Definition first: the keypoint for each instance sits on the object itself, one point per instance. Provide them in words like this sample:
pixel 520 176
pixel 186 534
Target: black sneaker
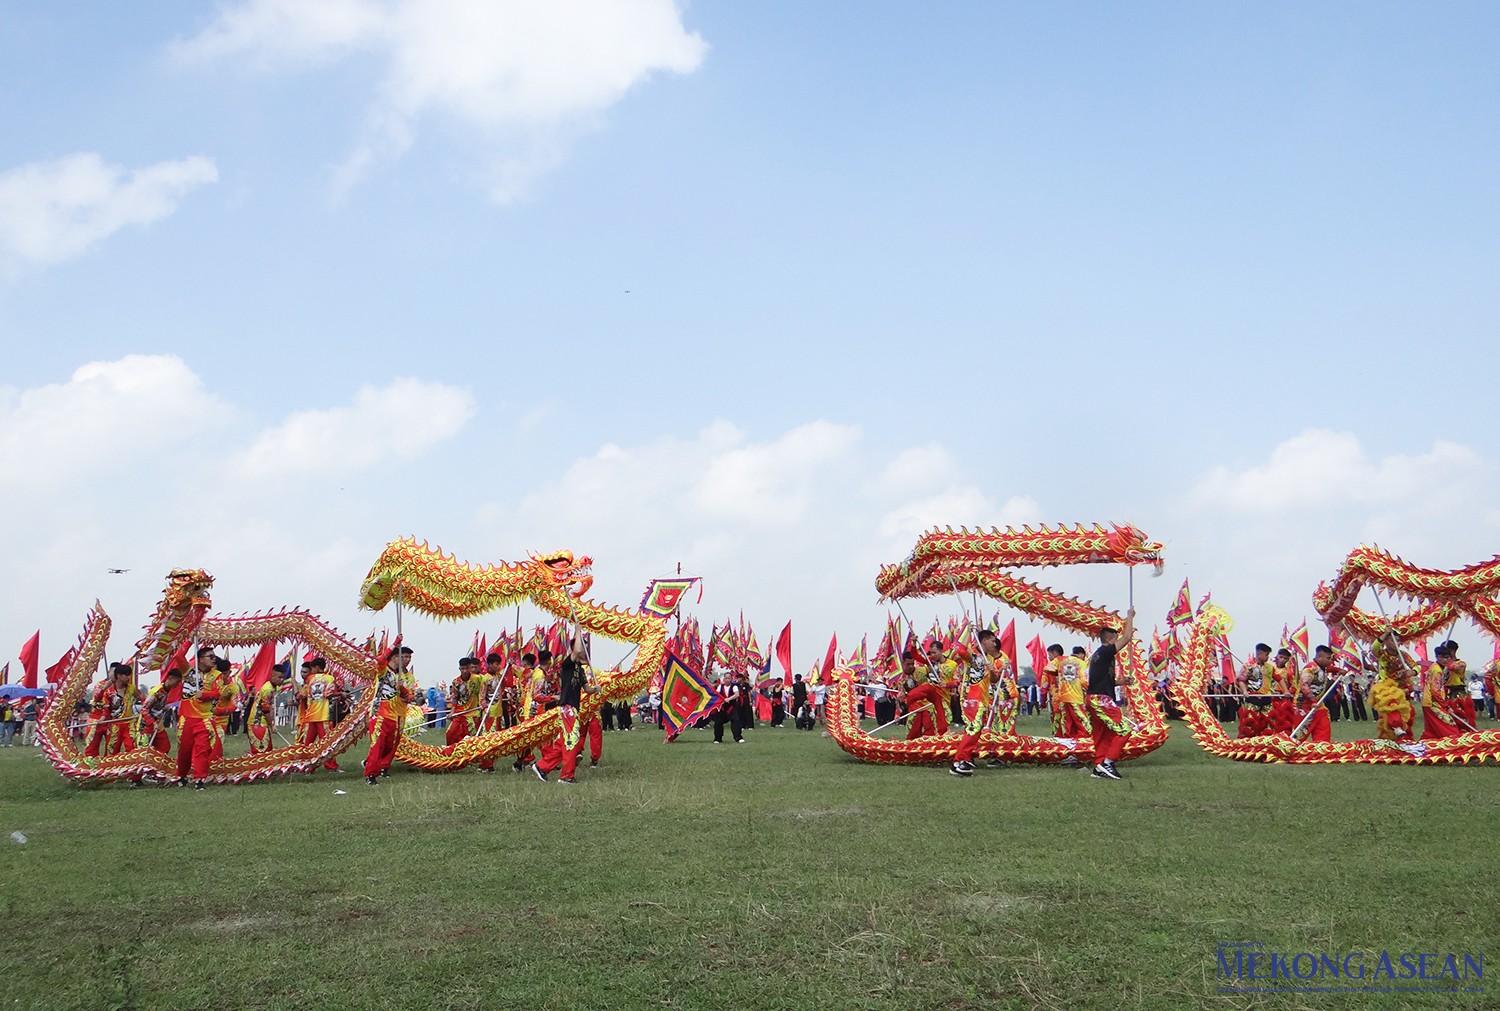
pixel 995 763
pixel 1105 771
pixel 1109 767
pixel 1098 773
pixel 539 773
pixel 197 784
pixel 372 780
pixel 958 769
pixel 564 779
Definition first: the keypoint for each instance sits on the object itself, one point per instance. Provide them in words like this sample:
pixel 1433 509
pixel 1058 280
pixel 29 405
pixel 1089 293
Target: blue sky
pixel 762 288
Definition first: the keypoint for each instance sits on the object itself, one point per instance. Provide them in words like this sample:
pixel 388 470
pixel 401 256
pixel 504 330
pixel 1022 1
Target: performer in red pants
pixel 318 687
pixel 576 678
pixel 465 700
pixel 1110 725
pixel 922 721
pixel 260 721
pixel 390 716
pixel 983 675
pixel 151 731
pixel 201 688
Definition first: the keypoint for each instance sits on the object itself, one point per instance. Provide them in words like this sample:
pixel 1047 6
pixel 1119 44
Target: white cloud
pixel 107 418
pixel 1321 468
pixel 54 211
pixel 523 77
pixel 392 423
pixel 1263 535
pixel 771 482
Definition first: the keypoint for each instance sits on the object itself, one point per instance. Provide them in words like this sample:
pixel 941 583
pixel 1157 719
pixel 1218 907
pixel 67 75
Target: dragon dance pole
pixel 912 712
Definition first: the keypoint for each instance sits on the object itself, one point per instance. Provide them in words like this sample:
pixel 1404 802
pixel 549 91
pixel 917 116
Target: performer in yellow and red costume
pixel 393 692
pixel 202 687
pixel 313 700
pixel 984 676
pixel 1390 694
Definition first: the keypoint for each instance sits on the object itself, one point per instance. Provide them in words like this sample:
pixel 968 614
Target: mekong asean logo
pixel 1251 967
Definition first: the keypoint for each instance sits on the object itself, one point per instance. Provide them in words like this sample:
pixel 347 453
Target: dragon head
pixel 1129 545
pixel 187 588
pixel 562 570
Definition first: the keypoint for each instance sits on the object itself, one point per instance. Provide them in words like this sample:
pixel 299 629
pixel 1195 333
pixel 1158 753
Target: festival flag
pixel 484 648
pixel 685 696
pixel 5 674
pixel 1301 641
pixel 1286 637
pixel 1038 655
pixel 784 652
pixel 663 596
pixel 858 659
pixel 28 657
pixel 57 671
pixel 260 668
pixel 1160 655
pixel 1181 611
pixel 754 658
pixel 829 659
pixel 1348 652
pixel 1420 648
pixel 1008 646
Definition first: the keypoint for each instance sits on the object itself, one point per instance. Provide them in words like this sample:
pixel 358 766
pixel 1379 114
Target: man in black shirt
pixel 1110 725
pixel 574 679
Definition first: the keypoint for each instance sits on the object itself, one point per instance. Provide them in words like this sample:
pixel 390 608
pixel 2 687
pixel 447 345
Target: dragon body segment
pixel 433 583
pixel 180 618
pixel 945 562
pixel 1438 599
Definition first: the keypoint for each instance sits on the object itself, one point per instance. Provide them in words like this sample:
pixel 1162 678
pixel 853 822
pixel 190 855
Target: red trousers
pixel 920 724
pixel 382 747
pixel 314 732
pixel 974 711
pixel 565 748
pixel 195 742
pixel 1437 724
pixel 1109 728
pixel 1071 720
pixel 1318 728
pixel 594 732
pixel 458 729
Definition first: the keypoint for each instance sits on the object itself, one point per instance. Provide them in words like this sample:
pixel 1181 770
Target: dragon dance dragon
pixel 948 562
pixel 181 619
pixel 1439 598
pixel 434 583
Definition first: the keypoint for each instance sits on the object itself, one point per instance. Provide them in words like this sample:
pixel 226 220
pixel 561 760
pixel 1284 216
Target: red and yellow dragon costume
pixel 1440 597
pixel 433 583
pixel 180 619
pixel 948 562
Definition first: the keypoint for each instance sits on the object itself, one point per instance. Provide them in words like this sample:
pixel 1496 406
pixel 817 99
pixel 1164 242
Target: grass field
pixel 780 874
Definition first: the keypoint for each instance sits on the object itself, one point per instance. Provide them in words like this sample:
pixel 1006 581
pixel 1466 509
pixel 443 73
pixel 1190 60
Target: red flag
pixel 484 649
pixel 57 671
pixel 784 652
pixel 1008 646
pixel 178 659
pixel 828 659
pixel 1420 648
pixel 1038 655
pixel 260 668
pixel 29 659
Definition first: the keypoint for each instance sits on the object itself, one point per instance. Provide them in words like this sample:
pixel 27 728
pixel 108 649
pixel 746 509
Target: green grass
pixel 780 874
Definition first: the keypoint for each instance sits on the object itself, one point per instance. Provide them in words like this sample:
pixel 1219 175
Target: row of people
pixel 1279 696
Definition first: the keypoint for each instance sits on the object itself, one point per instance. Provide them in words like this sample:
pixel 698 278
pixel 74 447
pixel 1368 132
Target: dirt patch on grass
pixel 818 813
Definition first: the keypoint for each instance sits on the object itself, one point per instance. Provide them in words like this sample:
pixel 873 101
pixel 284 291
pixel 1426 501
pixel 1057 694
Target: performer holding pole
pixel 1109 723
